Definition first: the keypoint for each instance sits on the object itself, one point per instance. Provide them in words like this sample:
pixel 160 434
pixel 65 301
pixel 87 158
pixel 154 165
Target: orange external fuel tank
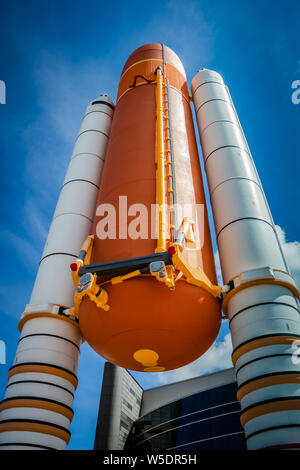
pixel 150 325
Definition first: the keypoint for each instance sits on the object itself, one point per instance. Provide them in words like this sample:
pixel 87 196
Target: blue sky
pixel 56 56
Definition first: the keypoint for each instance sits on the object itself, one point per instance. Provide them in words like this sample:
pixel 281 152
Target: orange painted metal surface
pixel 177 326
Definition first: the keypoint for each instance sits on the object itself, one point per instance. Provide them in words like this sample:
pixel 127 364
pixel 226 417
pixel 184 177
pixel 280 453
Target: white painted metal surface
pixel 264 317
pixel 48 341
pixel 73 217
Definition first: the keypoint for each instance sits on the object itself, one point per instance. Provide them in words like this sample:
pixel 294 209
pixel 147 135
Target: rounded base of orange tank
pixel 150 328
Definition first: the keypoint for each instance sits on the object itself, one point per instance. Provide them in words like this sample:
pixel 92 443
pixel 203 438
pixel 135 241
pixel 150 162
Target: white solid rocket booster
pixel 36 411
pixel 262 305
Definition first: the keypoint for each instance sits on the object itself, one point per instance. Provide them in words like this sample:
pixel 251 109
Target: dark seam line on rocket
pixel 237 370
pixel 263 303
pixel 244 218
pixel 96 111
pixel 221 120
pixel 143 84
pixel 40 382
pixel 43 364
pixel 209 81
pixel 273 429
pixel 78 179
pixel 264 376
pixel 182 72
pixel 135 88
pixel 24 444
pixel 137 52
pixel 213 99
pixel 91 130
pixel 271 400
pixel 293 335
pixel 53 254
pixel 53 336
pixel 72 213
pixel 104 102
pixel 226 146
pixel 35 421
pixel 87 153
pixel 29 397
pixel 235 178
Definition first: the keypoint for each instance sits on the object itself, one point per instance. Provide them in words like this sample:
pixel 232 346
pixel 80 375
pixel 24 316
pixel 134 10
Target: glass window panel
pixel 155 430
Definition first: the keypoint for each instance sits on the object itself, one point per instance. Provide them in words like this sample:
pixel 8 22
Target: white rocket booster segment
pixel 262 305
pixel 36 411
pixel 73 216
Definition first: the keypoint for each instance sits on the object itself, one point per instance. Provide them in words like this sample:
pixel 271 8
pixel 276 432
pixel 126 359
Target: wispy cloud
pixel 34 220
pixel 291 251
pixel 63 89
pixel 218 357
pixel 194 45
pixel 20 248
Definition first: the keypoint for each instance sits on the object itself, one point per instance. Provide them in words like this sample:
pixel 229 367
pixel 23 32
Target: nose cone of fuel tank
pixel 151 52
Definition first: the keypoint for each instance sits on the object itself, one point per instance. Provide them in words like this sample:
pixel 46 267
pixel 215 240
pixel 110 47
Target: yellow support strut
pixel 195 276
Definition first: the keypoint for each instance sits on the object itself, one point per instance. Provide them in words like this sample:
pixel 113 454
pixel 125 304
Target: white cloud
pixel 193 45
pixel 35 221
pixel 25 251
pixel 218 357
pixel 63 90
pixel 291 251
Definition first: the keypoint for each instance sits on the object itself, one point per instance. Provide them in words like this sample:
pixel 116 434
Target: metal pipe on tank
pixel 262 303
pixel 160 157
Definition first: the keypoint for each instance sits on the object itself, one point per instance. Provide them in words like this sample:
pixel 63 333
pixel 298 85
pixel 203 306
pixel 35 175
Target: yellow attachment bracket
pixel 87 286
pixel 119 279
pixel 74 272
pixel 194 276
pixel 186 232
pixel 159 270
pixel 163 273
pixel 84 257
pixel 87 248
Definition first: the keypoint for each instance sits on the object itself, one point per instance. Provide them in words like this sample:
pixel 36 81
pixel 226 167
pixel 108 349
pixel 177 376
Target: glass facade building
pixel 206 420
